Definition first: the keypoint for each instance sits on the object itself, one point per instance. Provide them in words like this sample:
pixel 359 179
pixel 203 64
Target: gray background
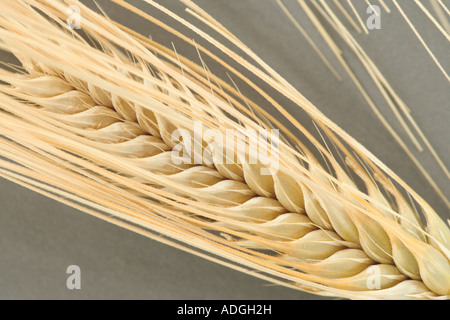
pixel 39 237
